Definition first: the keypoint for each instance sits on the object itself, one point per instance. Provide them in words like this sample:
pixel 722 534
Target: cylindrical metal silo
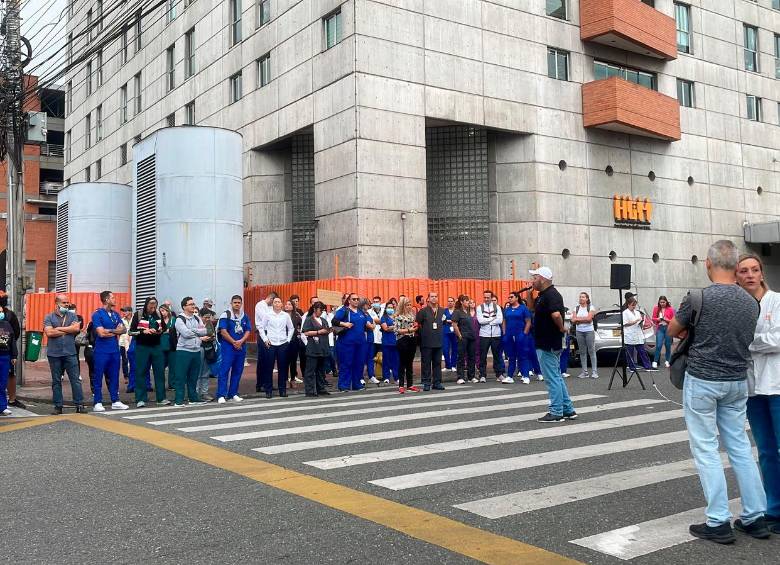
pixel 188 225
pixel 93 237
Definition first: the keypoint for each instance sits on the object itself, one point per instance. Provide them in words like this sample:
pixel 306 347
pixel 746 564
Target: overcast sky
pixel 43 23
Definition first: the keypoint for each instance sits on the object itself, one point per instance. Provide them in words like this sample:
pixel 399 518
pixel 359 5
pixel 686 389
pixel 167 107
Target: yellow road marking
pixel 426 526
pixel 31 423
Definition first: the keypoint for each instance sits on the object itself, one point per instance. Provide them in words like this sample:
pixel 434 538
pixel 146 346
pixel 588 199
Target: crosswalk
pixel 384 441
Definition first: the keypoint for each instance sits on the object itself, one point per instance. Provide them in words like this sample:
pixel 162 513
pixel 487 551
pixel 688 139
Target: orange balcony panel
pixel 619 105
pixel 630 25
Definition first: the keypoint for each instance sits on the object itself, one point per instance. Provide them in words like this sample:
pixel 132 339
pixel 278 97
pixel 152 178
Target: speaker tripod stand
pixel 620 368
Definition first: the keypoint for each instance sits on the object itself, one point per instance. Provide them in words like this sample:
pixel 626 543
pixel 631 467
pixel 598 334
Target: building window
pixel 189 114
pixel 170 11
pixel 776 4
pixel 124 47
pixel 99 70
pixel 264 70
pixel 170 120
pixel 682 15
pixel 753 108
pixel 170 69
pixel 99 16
pixel 603 70
pixel 99 123
pixel 263 12
pixel 98 169
pixel 304 225
pixel 235 22
pixel 29 274
pixel 87 176
pixel 88 131
pixel 89 77
pixel 751 48
pixel 189 53
pixel 138 30
pixel 89 27
pixel 235 88
pixel 69 98
pixel 68 141
pixel 556 8
pixel 557 64
pixel 52 275
pixel 685 92
pixel 777 55
pixel 137 89
pixel 188 3
pixel 650 3
pixel 123 154
pixel 123 105
pixel 332 29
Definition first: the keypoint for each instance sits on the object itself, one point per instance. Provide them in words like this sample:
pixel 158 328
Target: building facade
pixel 43 170
pixel 454 138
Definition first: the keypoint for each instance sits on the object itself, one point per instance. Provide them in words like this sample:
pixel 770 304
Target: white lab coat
pixel 764 378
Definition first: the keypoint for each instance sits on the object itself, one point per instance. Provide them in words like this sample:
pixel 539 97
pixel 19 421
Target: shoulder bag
pixel 679 363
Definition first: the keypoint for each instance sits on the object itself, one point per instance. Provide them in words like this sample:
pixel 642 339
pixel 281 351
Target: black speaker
pixel 620 277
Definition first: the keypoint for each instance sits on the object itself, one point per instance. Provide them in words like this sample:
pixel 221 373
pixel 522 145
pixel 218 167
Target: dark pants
pixel 150 358
pixel 295 349
pixel 494 345
pixel 275 354
pixel 186 366
pixel 763 413
pixel 631 356
pixel 125 363
pixel 431 365
pixel 314 377
pixel 406 349
pixel 467 357
pixel 59 366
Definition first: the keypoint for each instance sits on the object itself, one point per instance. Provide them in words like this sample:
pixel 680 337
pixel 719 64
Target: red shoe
pixel 401 390
pixel 414 389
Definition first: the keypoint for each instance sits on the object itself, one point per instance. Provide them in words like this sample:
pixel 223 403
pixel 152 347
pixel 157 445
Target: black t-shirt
pixel 465 323
pixel 430 322
pixel 546 333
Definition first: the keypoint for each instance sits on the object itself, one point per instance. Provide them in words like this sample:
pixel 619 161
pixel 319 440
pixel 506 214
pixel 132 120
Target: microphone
pixel 526 289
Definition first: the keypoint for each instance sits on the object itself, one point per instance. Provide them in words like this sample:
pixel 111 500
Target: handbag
pixel 679 363
pixel 81 339
pixel 338 329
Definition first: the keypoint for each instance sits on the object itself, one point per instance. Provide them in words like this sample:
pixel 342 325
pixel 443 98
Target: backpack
pixel 679 363
pixel 174 339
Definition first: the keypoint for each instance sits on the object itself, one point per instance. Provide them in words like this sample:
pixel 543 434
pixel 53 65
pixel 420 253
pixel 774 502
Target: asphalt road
pixel 78 494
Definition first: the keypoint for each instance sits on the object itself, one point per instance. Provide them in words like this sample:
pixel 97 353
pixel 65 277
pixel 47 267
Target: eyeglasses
pixel 190 304
pixel 354 299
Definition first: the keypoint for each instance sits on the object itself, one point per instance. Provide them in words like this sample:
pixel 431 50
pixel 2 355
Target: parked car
pixel 607 336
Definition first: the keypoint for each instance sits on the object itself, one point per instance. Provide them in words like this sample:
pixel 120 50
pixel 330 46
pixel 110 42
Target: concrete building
pixel 43 169
pixel 447 138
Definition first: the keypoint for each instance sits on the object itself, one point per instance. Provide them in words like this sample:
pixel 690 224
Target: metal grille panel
pixel 303 249
pixel 146 233
pixel 61 249
pixel 457 194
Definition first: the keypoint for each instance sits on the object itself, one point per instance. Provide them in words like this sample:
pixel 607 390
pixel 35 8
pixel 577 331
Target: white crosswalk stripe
pixel 449 427
pixel 484 468
pixel 487 441
pixel 640 539
pixel 385 419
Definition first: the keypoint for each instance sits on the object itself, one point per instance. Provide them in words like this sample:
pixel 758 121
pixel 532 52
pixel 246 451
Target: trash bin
pixel 33 350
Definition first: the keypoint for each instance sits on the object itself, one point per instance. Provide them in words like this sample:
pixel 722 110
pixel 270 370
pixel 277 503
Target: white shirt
pixel 375 318
pixel 583 311
pixel 633 334
pixel 764 378
pixel 490 318
pixel 331 337
pixel 261 309
pixel 277 328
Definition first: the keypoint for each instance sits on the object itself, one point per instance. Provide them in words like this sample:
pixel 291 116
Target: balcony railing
pixel 52 150
pixel 619 105
pixel 49 188
pixel 630 25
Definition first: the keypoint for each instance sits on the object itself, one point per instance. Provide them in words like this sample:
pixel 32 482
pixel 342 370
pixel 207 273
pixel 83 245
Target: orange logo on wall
pixel 630 212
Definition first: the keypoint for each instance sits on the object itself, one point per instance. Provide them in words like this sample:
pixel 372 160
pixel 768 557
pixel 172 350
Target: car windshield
pixel 608 319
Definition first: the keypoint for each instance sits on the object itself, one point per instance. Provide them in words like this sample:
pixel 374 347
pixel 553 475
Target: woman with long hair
pixel 146 328
pixel 517 326
pixel 582 318
pixel 350 345
pixel 167 320
pixel 763 404
pixel 466 334
pixel 663 313
pixel 405 330
pixel 296 346
pixel 316 330
pixel 449 339
pixel 275 334
pixel 390 360
pixel 633 335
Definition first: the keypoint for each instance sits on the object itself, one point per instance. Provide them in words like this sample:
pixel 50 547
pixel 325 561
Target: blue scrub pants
pixel 390 362
pixel 105 363
pixel 233 365
pixel 5 367
pixel 530 350
pixel 351 360
pixel 449 346
pixel 370 355
pixel 517 349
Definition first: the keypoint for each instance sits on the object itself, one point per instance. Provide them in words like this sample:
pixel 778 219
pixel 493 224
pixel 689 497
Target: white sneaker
pixel 540 378
pixel 655 365
pixel 525 381
pixel 118 405
pixel 363 381
pixel 374 380
pixel 6 412
pixel 140 404
pixel 594 376
pixel 221 400
pixel 508 381
pixel 583 375
pixel 297 380
pixel 475 380
pixel 531 374
pixel 482 379
pixel 386 381
pixel 165 402
pixel 237 398
pixel 666 364
pixel 179 405
pixel 461 382
pixel 98 408
pixel 565 375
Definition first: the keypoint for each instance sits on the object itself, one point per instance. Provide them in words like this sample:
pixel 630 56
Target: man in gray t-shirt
pixel 61 327
pixel 715 397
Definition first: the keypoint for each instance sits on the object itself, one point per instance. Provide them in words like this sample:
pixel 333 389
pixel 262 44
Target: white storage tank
pixel 187 216
pixel 94 237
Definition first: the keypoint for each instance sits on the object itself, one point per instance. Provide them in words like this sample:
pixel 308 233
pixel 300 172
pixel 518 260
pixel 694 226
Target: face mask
pixel 2 315
pixel 377 306
pixel 63 310
pixel 390 311
pixel 72 311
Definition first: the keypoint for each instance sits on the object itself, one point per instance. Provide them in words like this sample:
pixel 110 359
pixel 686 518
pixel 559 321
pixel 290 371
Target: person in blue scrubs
pixel 108 326
pixel 234 329
pixel 390 359
pixel 449 339
pixel 517 327
pixel 351 342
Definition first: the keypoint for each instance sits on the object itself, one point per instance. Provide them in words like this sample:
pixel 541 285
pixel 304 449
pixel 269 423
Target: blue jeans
pixel 763 413
pixel 58 367
pixel 709 407
pixel 662 338
pixel 550 362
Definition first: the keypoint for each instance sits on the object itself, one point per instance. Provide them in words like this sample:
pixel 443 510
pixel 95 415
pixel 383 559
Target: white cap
pixel 543 272
pixel 208 301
